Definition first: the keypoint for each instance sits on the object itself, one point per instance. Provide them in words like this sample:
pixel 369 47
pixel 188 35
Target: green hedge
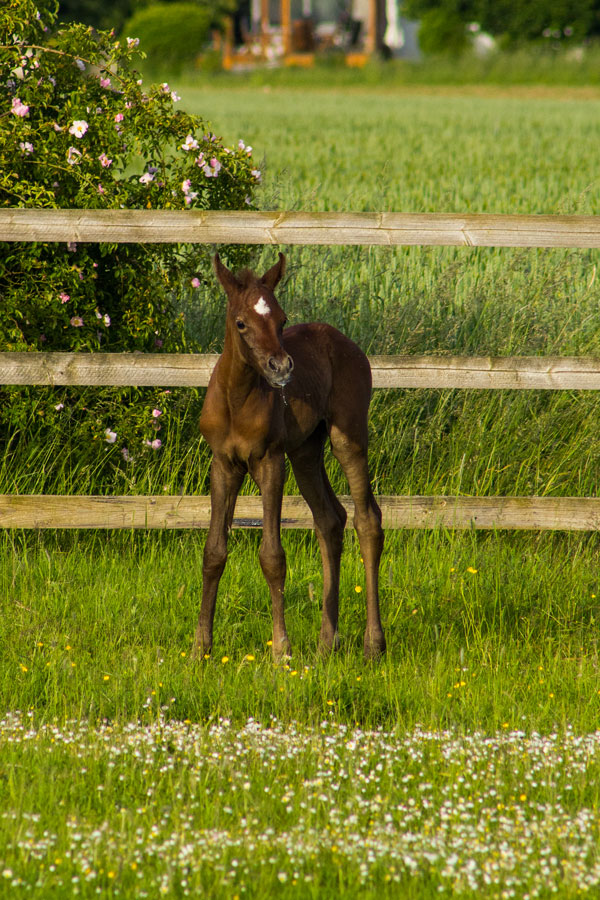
pixel 171 34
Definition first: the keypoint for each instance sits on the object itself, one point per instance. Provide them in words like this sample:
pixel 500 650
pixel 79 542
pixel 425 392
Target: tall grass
pixel 550 66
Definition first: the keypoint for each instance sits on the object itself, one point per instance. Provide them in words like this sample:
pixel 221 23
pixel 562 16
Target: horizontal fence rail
pixel 194 370
pixel 247 227
pixel 171 512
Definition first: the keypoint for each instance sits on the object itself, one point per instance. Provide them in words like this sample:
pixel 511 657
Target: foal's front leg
pixel 269 474
pixel 225 482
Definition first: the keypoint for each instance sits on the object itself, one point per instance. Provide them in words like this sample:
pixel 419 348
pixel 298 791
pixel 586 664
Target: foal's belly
pixel 301 417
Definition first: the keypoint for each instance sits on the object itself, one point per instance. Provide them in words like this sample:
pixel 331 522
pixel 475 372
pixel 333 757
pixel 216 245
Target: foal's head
pixel 256 320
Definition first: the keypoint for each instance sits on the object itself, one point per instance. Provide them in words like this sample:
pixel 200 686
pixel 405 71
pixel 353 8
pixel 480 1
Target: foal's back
pixel 331 382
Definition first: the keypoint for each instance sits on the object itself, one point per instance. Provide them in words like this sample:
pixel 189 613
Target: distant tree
pixel 108 14
pixel 98 13
pixel 513 21
pixel 535 20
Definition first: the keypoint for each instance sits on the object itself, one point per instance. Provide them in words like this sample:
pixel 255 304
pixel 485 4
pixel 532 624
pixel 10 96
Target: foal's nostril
pixel 281 367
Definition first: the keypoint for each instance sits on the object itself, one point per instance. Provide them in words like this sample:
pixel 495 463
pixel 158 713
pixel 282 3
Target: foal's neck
pixel 238 377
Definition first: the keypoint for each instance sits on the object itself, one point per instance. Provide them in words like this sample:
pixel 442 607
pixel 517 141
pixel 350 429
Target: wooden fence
pixel 387 229
pixel 233 227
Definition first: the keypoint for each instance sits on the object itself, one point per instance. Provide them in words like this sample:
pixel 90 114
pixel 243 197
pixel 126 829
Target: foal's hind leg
pixel 349 445
pixel 330 519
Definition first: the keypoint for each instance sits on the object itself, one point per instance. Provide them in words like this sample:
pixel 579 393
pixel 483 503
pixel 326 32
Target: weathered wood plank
pixel 194 370
pixel 172 512
pixel 498 373
pixel 520 513
pixel 139 369
pixel 247 227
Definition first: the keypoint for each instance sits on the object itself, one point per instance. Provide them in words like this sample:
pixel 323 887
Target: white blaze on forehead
pixel 262 307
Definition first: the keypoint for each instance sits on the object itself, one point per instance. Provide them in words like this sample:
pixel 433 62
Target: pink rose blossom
pixel 73 156
pixel 195 282
pixel 64 297
pixel 190 143
pixel 104 161
pixel 105 82
pixel 119 117
pixel 110 436
pixel 18 108
pixel 78 128
pixel 213 169
pixel 156 413
pixel 76 322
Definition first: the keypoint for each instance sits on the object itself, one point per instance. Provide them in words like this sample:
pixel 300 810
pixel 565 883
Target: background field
pixel 487 632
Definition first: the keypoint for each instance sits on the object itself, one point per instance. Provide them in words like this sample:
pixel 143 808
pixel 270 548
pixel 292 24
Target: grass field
pixel 466 761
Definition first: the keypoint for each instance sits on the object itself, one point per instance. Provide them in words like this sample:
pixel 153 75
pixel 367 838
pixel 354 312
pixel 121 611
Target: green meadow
pixel 465 762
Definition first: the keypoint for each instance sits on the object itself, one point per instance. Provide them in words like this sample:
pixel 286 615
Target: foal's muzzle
pixel 279 371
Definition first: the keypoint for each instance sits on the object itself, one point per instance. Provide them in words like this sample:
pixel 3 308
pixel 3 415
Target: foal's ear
pixel 227 278
pixel 274 275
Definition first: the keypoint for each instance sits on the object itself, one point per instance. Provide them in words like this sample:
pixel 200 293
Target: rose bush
pixel 78 129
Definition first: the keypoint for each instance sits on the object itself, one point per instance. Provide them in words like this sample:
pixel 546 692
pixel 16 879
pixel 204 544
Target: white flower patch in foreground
pixel 176 807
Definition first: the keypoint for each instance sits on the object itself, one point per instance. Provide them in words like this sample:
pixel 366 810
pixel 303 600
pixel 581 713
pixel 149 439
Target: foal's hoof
pixel 200 651
pixel 374 646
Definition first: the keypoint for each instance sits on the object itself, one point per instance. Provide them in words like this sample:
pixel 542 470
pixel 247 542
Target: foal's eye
pixel 241 326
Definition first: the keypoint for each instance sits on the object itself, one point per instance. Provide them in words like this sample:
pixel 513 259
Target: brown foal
pixel 275 392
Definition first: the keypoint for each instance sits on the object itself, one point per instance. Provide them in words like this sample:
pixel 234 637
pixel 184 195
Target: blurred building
pixel 292 31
